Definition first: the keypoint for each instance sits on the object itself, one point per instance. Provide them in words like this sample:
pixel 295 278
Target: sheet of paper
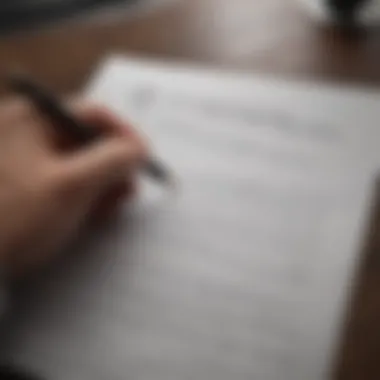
pixel 245 274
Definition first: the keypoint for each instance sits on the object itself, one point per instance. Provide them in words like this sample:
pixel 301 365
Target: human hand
pixel 49 190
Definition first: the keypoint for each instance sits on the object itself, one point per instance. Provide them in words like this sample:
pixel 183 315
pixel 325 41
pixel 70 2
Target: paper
pixel 245 274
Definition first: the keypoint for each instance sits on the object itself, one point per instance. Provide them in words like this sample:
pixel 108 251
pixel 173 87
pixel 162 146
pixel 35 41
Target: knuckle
pixel 14 109
pixel 51 182
pixel 57 182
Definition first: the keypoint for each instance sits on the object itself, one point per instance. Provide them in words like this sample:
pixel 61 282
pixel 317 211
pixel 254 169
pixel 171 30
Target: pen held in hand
pixel 51 108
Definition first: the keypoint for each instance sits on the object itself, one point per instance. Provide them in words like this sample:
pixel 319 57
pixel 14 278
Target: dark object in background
pixel 346 12
pixel 12 373
pixel 20 14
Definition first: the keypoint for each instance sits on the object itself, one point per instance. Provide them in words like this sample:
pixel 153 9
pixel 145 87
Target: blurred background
pixel 18 14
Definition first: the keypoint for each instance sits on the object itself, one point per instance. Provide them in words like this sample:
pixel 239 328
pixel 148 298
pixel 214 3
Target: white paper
pixel 246 273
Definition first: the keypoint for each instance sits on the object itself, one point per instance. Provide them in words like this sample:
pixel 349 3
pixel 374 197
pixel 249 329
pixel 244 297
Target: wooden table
pixel 252 35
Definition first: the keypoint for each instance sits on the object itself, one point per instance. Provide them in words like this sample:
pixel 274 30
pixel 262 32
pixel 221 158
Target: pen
pixel 61 118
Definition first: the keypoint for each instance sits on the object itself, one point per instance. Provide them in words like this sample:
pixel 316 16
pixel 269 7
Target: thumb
pixel 104 163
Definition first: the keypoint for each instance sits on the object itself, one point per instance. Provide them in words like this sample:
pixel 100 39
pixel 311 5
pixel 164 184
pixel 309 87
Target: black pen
pixel 51 108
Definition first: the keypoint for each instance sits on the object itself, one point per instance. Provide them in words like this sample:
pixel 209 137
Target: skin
pixel 50 189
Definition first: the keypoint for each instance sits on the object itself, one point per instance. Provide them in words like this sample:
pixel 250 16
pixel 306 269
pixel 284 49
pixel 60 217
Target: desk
pixel 262 35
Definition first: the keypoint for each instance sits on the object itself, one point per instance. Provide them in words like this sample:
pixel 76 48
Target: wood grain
pixel 272 36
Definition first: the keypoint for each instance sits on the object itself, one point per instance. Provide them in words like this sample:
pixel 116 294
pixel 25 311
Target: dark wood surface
pixel 262 35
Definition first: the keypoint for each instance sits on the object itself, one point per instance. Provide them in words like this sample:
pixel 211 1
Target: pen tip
pixel 172 183
pixel 157 171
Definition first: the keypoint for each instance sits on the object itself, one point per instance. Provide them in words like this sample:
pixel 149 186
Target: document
pixel 246 271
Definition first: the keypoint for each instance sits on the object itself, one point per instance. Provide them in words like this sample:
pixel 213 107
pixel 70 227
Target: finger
pixel 14 109
pixel 103 120
pixel 103 164
pixel 111 203
pixel 21 117
pixel 107 121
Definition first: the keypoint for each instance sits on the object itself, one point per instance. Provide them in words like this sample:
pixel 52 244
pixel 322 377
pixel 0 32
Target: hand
pixel 49 190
